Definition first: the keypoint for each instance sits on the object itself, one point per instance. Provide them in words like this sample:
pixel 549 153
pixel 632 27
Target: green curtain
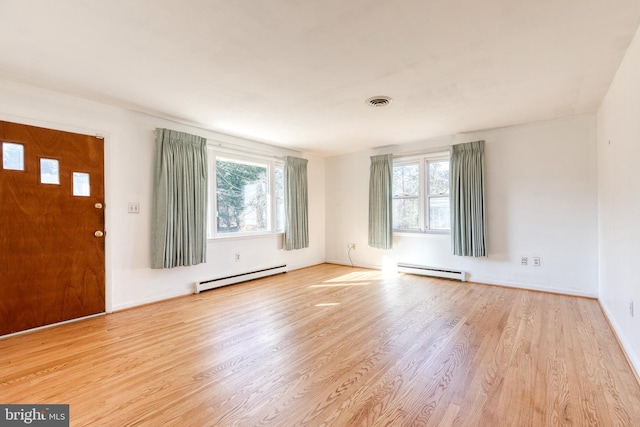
pixel 179 222
pixel 468 225
pixel 296 204
pixel 380 208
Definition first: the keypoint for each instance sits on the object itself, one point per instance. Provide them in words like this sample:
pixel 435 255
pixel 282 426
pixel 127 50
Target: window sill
pixel 244 236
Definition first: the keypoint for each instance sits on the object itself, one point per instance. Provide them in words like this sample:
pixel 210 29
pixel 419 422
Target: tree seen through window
pixel 242 197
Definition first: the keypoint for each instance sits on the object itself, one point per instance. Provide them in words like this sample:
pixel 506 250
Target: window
pixel 421 193
pixel 12 156
pixel 81 185
pixel 279 196
pixel 406 196
pixel 246 195
pixel 49 171
pixel 438 195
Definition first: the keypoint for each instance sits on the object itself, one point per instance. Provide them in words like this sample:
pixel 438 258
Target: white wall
pixel 541 200
pixel 129 156
pixel 619 201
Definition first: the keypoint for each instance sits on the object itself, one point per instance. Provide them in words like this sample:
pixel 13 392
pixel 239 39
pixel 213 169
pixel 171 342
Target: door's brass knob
pixel 98 205
pixel 98 233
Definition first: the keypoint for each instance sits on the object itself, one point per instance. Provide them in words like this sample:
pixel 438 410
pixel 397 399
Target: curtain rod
pixel 426 151
pixel 239 148
pixel 235 149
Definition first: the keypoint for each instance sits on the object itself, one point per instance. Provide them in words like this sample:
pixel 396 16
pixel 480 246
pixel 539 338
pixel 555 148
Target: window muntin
pixel 421 194
pixel 246 195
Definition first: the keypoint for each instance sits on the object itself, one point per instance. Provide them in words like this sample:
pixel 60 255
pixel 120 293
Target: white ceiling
pixel 297 73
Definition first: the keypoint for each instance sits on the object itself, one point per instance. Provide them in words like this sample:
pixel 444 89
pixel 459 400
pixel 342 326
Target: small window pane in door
pixel 12 156
pixel 49 171
pixel 81 184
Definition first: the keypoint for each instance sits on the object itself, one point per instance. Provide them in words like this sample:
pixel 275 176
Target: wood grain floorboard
pixel 333 346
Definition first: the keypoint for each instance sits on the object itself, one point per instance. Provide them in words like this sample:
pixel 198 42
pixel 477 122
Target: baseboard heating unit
pixel 431 271
pixel 237 278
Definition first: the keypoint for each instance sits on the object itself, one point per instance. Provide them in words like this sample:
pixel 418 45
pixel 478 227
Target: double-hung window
pixel 421 193
pixel 246 194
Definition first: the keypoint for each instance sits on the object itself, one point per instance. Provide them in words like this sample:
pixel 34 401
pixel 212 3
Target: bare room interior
pixel 406 213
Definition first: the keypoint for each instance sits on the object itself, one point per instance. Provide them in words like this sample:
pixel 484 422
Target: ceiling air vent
pixel 379 101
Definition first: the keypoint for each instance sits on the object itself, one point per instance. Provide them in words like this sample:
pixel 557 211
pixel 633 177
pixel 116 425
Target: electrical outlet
pixel 351 246
pixel 524 260
pixel 536 261
pixel 237 256
pixel 631 308
pixel 134 207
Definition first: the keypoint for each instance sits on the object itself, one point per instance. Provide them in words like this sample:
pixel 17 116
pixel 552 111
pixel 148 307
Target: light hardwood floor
pixel 336 346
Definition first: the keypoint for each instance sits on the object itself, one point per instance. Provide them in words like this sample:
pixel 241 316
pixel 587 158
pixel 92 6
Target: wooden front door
pixel 52 260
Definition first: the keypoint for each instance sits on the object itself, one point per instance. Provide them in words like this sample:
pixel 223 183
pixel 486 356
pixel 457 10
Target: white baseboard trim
pixel 151 299
pixel 187 291
pixel 300 266
pixel 355 264
pixel 473 279
pixel 633 359
pixel 533 287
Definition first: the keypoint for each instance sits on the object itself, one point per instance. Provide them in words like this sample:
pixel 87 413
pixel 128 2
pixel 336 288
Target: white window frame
pixel 271 162
pixel 411 161
pixel 424 195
